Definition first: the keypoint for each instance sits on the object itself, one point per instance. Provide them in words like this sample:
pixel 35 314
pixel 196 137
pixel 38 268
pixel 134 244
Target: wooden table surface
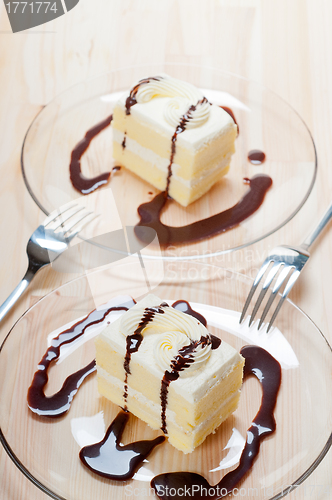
pixel 285 45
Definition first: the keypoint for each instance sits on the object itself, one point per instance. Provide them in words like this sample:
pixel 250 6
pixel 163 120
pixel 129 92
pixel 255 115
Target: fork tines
pixel 76 215
pixel 282 267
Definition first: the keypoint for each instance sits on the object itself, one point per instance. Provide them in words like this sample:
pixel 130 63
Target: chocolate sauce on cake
pixel 267 370
pixel 60 402
pixel 150 213
pixel 185 307
pixel 134 341
pixel 123 144
pixel 256 157
pixel 179 129
pixel 230 112
pixel 110 459
pixel 79 181
pixel 131 99
pixel 184 358
pixel 180 362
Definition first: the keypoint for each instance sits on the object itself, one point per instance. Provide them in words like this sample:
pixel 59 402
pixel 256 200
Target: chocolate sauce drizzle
pixel 123 144
pixel 256 157
pixel 131 100
pixel 185 307
pixel 179 129
pixel 184 357
pixel 79 181
pixel 180 362
pixel 169 235
pixel 267 370
pixel 110 459
pixel 230 112
pixel 60 402
pixel 134 341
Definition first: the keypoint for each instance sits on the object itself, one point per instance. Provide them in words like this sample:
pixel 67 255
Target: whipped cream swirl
pixel 176 331
pixel 184 95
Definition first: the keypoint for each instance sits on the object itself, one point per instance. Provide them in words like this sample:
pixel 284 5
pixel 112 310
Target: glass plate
pixel 46 450
pixel 266 122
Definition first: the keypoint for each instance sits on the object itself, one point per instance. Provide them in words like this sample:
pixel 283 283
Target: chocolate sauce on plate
pixel 79 181
pixel 112 460
pixel 262 365
pixel 256 157
pixel 109 458
pixel 60 402
pixel 150 215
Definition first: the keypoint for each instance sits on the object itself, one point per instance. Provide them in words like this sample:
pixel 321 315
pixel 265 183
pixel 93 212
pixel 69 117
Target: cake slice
pixel 166 132
pixel 163 366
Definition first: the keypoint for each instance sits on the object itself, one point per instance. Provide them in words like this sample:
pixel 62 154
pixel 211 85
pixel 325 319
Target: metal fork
pixel 288 262
pixel 47 243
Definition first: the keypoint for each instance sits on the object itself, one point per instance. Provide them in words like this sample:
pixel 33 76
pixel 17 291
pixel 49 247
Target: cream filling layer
pixel 149 156
pixel 153 410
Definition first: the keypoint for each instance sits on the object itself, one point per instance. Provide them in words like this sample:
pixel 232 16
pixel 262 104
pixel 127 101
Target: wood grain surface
pixel 287 46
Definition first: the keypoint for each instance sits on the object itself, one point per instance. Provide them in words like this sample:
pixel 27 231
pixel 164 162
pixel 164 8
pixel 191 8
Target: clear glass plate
pixel 266 122
pixel 46 450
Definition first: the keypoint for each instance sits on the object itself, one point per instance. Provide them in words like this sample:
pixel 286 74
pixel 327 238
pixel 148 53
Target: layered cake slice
pixel 166 132
pixel 163 366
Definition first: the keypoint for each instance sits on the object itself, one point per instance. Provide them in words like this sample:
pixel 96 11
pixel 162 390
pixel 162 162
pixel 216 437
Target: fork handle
pixel 318 229
pixel 16 293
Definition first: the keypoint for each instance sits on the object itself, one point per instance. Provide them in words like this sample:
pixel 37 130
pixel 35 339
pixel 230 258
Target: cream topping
pixel 192 388
pixel 175 330
pixel 152 113
pixel 169 347
pixel 183 94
